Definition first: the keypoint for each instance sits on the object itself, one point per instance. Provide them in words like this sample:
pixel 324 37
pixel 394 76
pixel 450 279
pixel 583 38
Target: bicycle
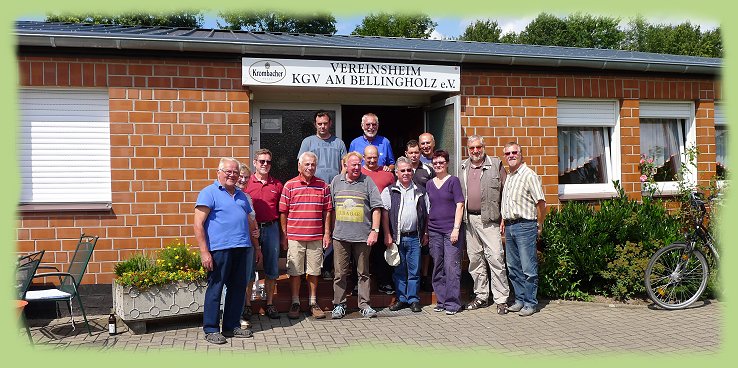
pixel 677 274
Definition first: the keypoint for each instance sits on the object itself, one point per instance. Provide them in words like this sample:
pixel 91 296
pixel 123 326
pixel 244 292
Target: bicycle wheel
pixel 674 278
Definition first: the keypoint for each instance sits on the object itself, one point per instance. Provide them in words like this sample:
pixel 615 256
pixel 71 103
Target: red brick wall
pixel 521 106
pixel 170 122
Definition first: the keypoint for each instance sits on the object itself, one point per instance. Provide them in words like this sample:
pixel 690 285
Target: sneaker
pixel 527 311
pixel 271 311
pixel 398 306
pixel 387 289
pixel 476 304
pixel 368 312
pixel 438 308
pixel 450 313
pixel 294 312
pixel 327 275
pixel 515 307
pixel 238 332
pixel 317 312
pixel 247 312
pixel 502 308
pixel 339 310
pixel 215 338
pixel 245 323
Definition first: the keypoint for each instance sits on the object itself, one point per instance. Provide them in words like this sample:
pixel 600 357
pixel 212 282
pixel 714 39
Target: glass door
pixel 442 119
pixel 281 129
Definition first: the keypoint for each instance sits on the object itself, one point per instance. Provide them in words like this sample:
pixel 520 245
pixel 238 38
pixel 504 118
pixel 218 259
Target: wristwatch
pixel 376 230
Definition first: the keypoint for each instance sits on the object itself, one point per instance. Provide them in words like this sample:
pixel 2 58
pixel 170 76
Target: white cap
pixel 392 255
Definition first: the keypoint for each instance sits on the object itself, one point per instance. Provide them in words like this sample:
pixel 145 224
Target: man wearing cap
pixel 404 219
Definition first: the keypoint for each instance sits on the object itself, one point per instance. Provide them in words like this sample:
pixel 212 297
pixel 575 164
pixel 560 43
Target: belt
pixel 517 220
pixel 265 224
pixel 411 234
pixel 474 212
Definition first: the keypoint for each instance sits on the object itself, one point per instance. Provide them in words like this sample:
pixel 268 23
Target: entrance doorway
pixel 399 124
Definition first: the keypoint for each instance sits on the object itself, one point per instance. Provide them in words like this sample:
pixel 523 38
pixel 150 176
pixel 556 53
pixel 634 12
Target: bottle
pixel 112 323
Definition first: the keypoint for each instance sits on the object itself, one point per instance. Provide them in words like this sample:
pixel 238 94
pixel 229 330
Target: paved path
pixel 559 329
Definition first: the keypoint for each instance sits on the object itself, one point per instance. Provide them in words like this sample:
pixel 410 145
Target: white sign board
pixel 350 74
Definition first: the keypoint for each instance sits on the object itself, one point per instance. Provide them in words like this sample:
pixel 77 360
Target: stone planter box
pixel 136 307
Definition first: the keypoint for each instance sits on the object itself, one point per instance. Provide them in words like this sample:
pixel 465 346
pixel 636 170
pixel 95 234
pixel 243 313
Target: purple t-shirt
pixel 443 204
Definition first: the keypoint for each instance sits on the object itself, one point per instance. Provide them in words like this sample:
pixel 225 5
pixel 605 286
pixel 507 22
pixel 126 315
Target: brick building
pixel 122 126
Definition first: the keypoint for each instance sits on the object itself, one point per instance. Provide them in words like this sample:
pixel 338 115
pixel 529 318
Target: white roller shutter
pixel 587 113
pixel 64 146
pixel 720 115
pixel 679 110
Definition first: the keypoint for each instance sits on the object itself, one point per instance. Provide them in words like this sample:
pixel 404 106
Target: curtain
pixel 721 141
pixel 579 146
pixel 660 140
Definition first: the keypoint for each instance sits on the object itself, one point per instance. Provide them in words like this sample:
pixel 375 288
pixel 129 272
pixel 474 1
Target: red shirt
pixel 304 204
pixel 380 177
pixel 265 197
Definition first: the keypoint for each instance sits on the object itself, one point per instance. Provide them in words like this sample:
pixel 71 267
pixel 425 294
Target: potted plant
pixel 171 284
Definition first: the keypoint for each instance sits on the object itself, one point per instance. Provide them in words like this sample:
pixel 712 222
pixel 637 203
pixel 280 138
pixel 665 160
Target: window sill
pixel 586 191
pixel 65 207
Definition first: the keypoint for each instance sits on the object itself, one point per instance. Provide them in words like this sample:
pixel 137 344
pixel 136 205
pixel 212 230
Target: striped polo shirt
pixel 304 203
pixel 521 193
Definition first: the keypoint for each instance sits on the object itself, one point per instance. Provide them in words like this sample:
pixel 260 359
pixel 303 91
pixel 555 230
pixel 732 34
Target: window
pixel 588 142
pixel 721 142
pixel 667 129
pixel 64 149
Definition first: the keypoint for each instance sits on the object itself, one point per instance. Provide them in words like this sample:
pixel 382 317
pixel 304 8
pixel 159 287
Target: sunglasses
pixel 405 170
pixel 439 163
pixel 511 153
pixel 264 162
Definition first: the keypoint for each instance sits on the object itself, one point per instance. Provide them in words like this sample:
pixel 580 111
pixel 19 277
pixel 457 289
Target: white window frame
pixel 721 121
pixel 591 113
pixel 687 137
pixel 64 149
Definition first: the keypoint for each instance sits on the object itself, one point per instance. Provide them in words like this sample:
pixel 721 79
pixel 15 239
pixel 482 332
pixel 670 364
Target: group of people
pixel 345 208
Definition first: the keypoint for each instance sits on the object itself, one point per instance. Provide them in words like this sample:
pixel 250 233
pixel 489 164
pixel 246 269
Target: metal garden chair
pixel 25 269
pixel 68 287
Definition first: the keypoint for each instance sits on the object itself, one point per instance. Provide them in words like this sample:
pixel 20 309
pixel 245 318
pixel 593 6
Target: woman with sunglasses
pixel 444 233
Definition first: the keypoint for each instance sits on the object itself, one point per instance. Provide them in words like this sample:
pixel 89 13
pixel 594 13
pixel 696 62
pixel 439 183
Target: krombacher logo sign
pixel 267 71
pixel 349 74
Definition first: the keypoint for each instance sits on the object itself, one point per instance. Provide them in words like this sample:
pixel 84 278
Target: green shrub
pixel 589 250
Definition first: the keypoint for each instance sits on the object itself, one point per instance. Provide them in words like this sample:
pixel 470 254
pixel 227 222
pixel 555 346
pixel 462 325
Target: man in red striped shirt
pixel 306 212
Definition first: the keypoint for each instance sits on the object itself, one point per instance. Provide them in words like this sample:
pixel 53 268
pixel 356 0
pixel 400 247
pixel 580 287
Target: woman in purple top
pixel 444 226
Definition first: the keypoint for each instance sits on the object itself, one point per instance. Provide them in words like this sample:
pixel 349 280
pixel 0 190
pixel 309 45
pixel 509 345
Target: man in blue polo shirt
pixel 223 231
pixel 370 126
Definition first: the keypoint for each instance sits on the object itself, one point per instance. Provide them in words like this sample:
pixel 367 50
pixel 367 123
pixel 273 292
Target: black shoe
pixel 476 304
pixel 415 307
pixel 398 306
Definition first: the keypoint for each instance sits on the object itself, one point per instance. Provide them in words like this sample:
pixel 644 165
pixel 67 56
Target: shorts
pixel 304 257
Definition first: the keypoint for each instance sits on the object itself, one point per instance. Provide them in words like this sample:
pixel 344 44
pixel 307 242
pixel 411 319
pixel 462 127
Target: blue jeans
pixel 269 242
pixel 407 274
pixel 522 263
pixel 231 268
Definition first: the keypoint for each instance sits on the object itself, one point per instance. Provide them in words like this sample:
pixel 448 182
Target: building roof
pixel 100 36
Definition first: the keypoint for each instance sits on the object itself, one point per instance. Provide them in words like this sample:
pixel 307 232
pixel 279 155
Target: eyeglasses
pixel 264 162
pixel 243 180
pixel 435 163
pixel 511 153
pixel 230 172
pixel 472 148
pixel 371 124
pixel 405 170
